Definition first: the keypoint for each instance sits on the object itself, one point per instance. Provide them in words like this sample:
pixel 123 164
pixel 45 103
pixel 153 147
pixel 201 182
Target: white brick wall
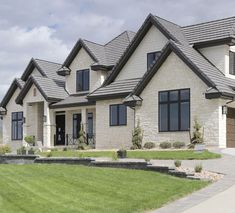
pixel 219 56
pixel 108 137
pixel 11 107
pixel 136 66
pixel 174 74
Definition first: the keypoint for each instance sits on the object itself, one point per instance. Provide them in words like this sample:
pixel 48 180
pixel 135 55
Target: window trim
pixel 149 54
pixel 82 71
pixel 168 102
pixel 118 122
pixel 17 130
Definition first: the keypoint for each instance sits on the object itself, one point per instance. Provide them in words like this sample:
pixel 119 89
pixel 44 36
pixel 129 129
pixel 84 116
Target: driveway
pixel 217 197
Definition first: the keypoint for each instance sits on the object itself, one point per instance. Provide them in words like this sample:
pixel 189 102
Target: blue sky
pixel 48 29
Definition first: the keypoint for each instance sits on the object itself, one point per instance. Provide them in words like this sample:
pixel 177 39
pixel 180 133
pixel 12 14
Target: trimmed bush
pixel 178 145
pixel 165 145
pixel 5 149
pixel 198 168
pixel 121 153
pixel 82 146
pixel 30 139
pixel 49 154
pixel 149 145
pixel 137 137
pixel 177 163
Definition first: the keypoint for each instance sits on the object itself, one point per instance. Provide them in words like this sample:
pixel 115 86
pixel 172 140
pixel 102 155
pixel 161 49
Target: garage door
pixel 231 127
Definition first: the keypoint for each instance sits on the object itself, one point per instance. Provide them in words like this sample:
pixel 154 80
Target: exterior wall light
pixel 44 118
pixel 224 110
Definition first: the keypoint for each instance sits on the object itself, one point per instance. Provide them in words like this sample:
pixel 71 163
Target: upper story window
pixel 118 115
pixel 83 80
pixel 231 63
pixel 152 58
pixel 174 110
pixel 17 125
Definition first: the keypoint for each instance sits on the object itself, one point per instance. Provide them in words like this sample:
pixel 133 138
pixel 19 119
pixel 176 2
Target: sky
pixel 48 29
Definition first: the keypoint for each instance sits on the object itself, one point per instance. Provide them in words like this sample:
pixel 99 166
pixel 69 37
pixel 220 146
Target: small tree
pixel 82 138
pixel 30 139
pixel 137 137
pixel 197 135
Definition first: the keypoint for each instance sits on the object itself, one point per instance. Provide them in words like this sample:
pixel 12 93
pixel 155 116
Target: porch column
pixel 25 105
pixel 48 126
pixel 84 118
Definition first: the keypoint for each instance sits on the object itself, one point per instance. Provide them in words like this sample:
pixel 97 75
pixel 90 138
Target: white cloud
pixel 19 45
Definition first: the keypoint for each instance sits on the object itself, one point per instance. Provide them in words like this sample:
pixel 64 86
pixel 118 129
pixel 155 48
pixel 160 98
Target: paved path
pixel 217 197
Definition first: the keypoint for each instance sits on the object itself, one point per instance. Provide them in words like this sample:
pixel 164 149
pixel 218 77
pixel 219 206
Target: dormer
pixel 89 63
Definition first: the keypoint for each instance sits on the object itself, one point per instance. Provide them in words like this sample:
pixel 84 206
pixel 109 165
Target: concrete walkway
pixel 217 197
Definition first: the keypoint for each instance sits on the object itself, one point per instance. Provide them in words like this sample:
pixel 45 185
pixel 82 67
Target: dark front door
pixel 60 130
pixel 231 127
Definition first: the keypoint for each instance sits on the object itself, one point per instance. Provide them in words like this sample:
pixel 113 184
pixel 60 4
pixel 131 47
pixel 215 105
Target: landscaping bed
pixel 140 154
pixel 67 188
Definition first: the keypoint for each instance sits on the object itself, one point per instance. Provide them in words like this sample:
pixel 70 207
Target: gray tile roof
pixel 72 101
pixel 49 89
pixel 50 69
pixel 117 88
pixel 212 30
pixel 104 54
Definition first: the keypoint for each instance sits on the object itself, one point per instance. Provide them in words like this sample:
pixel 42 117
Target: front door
pixel 60 130
pixel 231 127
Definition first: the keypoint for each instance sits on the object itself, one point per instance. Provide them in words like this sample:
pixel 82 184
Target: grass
pixel 174 155
pixel 67 188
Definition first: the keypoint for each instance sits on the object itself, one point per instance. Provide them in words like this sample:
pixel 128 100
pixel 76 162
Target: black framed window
pixel 17 125
pixel 83 80
pixel 174 110
pixel 118 115
pixel 76 125
pixel 152 58
pixel 231 63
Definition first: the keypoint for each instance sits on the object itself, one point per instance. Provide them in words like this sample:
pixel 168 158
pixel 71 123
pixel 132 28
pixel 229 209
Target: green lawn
pixel 181 155
pixel 67 188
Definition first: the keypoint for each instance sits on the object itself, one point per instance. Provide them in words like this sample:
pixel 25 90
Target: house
pixel 164 77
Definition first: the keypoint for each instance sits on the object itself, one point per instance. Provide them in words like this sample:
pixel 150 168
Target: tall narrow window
pixel 17 125
pixel 152 58
pixel 174 110
pixel 83 80
pixel 118 115
pixel 76 125
pixel 231 63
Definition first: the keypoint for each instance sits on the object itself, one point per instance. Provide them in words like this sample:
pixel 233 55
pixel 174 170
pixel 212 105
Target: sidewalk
pixel 214 198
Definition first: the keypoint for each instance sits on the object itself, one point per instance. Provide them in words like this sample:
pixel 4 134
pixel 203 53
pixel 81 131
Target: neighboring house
pixel 165 77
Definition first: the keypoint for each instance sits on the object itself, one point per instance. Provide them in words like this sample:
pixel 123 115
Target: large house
pixel 164 77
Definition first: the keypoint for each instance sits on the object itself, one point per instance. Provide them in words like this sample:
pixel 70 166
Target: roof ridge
pixel 206 22
pixel 92 42
pixel 47 61
pixel 124 32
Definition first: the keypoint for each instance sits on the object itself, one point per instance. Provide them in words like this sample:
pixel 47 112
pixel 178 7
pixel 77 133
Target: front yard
pixel 139 154
pixel 66 188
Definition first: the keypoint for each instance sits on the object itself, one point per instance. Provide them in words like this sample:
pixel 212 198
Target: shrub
pixel 178 145
pixel 114 156
pixel 198 168
pixel 165 145
pixel 21 151
pixel 137 137
pixel 31 151
pixel 82 135
pixel 149 145
pixel 177 163
pixel 30 140
pixel 49 154
pixel 65 149
pixel 5 149
pixel 82 146
pixel 197 135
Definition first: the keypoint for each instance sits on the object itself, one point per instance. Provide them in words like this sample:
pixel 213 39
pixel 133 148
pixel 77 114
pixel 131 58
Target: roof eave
pixel 229 41
pixel 100 67
pixel 109 96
